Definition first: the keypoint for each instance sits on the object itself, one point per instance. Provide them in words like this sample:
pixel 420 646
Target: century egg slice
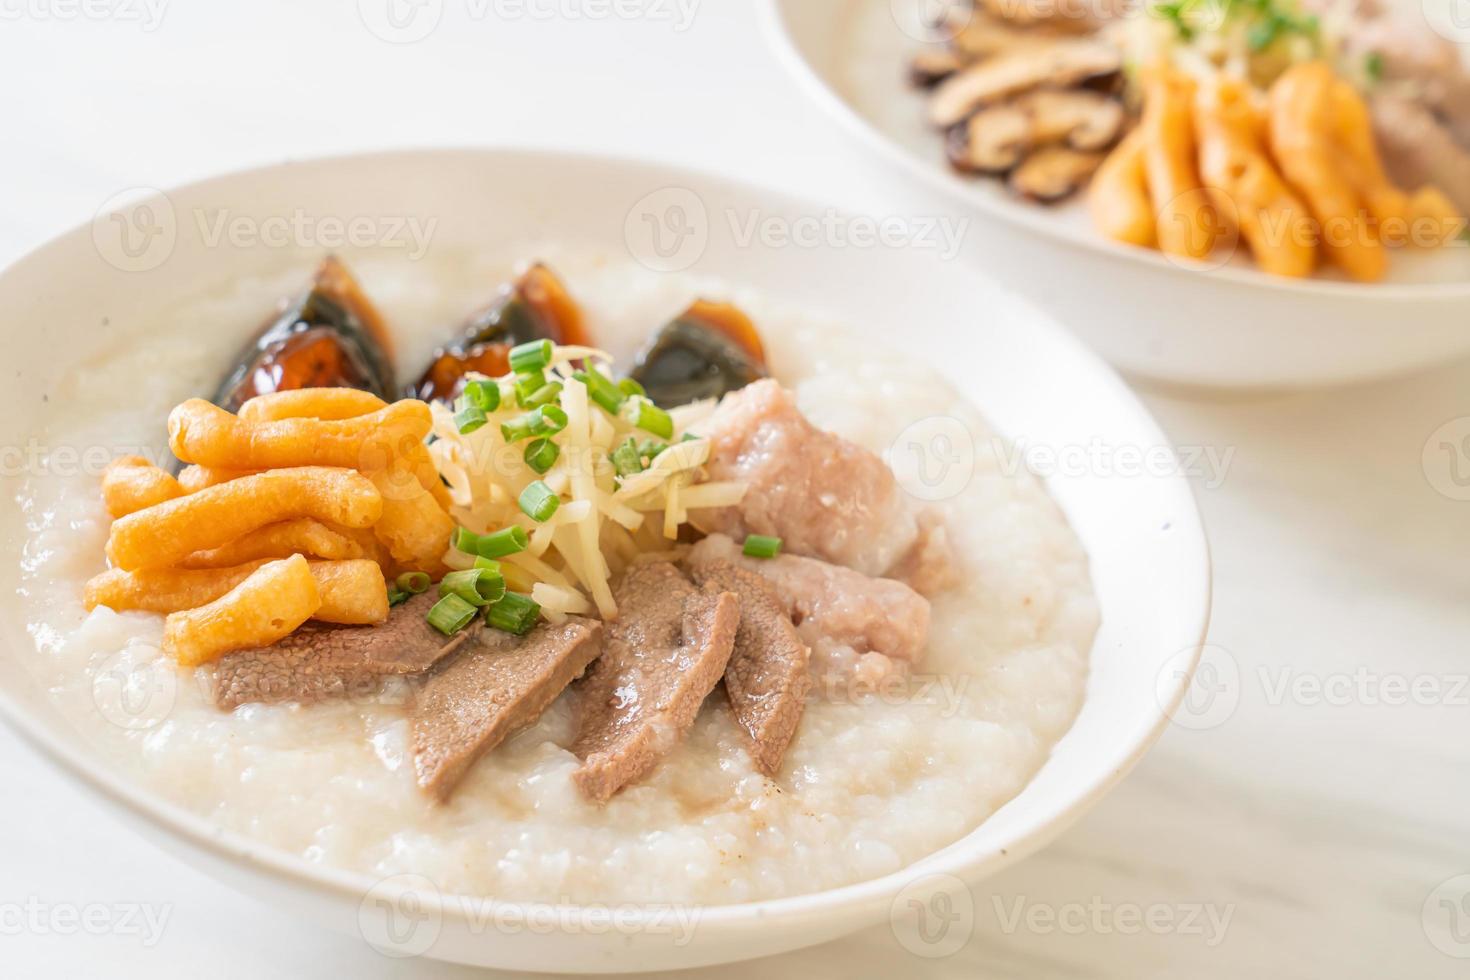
pixel 534 307
pixel 331 336
pixel 706 351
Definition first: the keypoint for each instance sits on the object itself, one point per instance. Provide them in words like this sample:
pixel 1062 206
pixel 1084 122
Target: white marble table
pixel 1303 835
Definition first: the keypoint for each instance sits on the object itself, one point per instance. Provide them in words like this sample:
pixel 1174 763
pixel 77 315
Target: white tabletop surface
pixel 1304 835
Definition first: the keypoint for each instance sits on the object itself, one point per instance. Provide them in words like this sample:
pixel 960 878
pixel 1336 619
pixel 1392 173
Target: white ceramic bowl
pixel 1218 327
pixel 1148 551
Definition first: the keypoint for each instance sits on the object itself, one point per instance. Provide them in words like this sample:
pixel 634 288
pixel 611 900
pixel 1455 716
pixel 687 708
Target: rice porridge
pixel 877 776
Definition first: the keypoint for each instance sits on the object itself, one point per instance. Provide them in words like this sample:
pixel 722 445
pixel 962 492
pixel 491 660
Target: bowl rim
pixel 774 23
pixel 233 847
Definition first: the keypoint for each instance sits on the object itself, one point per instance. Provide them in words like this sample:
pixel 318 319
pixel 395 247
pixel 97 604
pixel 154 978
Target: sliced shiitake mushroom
pixel 995 139
pixel 1059 64
pixel 992 141
pixel 1084 119
pixel 1059 15
pixel 932 66
pixel 1053 173
pixel 982 36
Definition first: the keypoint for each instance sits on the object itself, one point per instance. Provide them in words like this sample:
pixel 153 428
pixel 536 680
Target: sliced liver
pixel 663 654
pixel 321 661
pixel 766 678
pixel 496 686
pixel 829 603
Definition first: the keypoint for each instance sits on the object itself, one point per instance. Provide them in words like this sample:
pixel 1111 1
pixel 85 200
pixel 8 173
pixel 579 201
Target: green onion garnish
pixel 468 417
pixel 650 418
pixel 530 357
pixel 477 586
pixel 451 614
pixel 506 541
pixel 397 597
pixel 544 395
pixel 651 448
pixel 541 454
pixel 552 420
pixel 520 427
pixel 547 420
pixel 490 564
pixel 761 546
pixel 630 387
pixel 528 384
pixel 627 459
pixel 484 395
pixel 1373 66
pixel 538 501
pixel 413 582
pixel 601 390
pixel 515 614
pixel 466 540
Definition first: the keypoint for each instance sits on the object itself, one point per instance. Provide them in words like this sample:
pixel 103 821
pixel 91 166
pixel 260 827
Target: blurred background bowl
pixel 1225 326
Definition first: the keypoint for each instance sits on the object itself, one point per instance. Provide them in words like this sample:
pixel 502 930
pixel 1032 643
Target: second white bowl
pixel 1216 327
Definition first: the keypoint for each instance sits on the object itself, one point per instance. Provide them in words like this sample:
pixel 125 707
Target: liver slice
pixel 664 653
pixel 766 678
pixel 494 688
pixel 829 603
pixel 321 661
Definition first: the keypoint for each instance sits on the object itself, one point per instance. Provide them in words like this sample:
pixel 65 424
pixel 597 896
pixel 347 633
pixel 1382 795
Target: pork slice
pixel 1416 64
pixel 930 567
pixel 820 494
pixel 494 688
pixel 660 658
pixel 321 661
pixel 832 605
pixel 1418 148
pixel 766 678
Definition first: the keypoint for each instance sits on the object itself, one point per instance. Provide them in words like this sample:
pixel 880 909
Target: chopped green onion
pixel 484 395
pixel 630 387
pixel 543 395
pixel 541 454
pixel 467 416
pixel 533 356
pixel 1373 66
pixel 515 614
pixel 602 391
pixel 396 597
pixel 626 459
pixel 547 420
pixel 520 427
pixel 761 546
pixel 477 586
pixel 690 437
pixel 651 448
pixel 527 385
pixel 466 540
pixel 490 564
pixel 451 614
pixel 413 582
pixel 506 541
pixel 538 501
pixel 650 418
pixel 552 420
pixel 1263 34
